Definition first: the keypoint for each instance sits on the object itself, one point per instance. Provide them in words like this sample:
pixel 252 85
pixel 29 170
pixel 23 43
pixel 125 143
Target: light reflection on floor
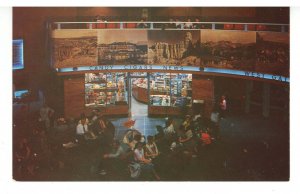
pixel 144 124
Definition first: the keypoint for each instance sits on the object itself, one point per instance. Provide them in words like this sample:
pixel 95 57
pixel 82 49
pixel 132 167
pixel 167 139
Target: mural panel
pixel 174 47
pixel 122 47
pixel 73 48
pixel 262 52
pixel 228 49
pixel 273 53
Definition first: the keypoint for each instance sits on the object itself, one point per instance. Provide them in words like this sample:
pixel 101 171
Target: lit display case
pixel 105 89
pixel 181 90
pixel 170 89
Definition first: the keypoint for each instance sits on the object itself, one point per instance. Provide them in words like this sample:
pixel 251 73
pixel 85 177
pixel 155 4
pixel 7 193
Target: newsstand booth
pixel 169 70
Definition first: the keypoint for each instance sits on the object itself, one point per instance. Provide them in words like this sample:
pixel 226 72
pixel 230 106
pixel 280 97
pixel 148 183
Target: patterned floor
pixel 144 124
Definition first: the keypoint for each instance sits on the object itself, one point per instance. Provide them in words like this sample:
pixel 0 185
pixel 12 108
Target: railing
pixel 273 27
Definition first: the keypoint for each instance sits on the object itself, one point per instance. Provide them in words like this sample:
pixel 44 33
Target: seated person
pixel 187 122
pixel 160 139
pixel 146 164
pixel 95 116
pixel 131 138
pixel 205 138
pixel 81 129
pixel 169 129
pixel 83 116
pixel 151 150
pixel 83 132
pixel 186 139
pixel 105 130
pixel 116 158
pixel 60 125
pixel 136 139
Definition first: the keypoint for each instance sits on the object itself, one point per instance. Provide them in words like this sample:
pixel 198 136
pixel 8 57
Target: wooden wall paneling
pixel 74 96
pixel 176 11
pixel 101 11
pixel 203 89
pixel 228 11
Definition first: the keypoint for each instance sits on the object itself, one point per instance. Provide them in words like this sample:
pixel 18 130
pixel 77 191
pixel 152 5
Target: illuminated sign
pixel 267 76
pixel 174 68
pixel 127 67
pixel 18 61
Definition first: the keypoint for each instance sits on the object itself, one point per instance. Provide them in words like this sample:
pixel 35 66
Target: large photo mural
pixel 272 53
pixel 73 48
pixel 122 47
pixel 263 52
pixel 228 49
pixel 173 47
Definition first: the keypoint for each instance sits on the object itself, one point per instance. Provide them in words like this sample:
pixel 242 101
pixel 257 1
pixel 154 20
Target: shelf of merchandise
pixel 106 91
pixel 166 94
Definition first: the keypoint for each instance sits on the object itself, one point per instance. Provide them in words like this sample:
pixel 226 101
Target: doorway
pixel 138 94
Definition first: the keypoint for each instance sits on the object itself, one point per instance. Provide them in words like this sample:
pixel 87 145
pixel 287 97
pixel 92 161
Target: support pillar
pixel 266 100
pixel 249 86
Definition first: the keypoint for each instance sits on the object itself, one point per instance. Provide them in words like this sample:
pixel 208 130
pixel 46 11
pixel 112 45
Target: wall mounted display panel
pixel 174 47
pixel 228 49
pixel 273 53
pixel 122 47
pixel 73 48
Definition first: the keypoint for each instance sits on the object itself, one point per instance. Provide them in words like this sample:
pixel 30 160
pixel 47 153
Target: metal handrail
pixel 179 25
pixel 168 22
